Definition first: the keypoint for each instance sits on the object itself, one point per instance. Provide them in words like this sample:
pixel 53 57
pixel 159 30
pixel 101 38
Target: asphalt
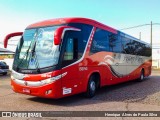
pixel 129 96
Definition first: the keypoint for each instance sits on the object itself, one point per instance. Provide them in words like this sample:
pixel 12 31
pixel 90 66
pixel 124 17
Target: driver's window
pixel 70 50
pixel 68 54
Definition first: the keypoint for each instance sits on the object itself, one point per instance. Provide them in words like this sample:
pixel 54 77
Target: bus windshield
pixel 36 49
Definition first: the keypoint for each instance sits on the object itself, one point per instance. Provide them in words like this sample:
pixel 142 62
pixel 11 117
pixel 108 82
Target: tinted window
pixel 141 49
pixel 147 51
pixel 115 43
pixel 69 52
pixel 82 36
pixel 100 41
pixel 107 41
pixel 126 46
pixel 74 43
pixel 134 47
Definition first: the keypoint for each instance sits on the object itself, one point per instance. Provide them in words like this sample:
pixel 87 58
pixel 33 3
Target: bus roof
pixel 58 21
pixel 72 20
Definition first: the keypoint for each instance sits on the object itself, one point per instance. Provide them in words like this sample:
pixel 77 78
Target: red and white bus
pixel 62 57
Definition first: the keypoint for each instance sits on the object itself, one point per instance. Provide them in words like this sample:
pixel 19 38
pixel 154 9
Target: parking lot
pixel 129 96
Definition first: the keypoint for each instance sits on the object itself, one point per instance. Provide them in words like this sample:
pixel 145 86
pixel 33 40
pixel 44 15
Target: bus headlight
pixel 37 83
pixel 12 77
pixel 49 80
pixel 16 75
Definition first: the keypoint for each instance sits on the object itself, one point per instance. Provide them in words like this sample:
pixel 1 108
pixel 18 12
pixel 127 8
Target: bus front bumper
pixel 52 90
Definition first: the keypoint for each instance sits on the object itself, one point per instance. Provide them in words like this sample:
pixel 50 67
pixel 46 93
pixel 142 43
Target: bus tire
pixel 141 78
pixel 91 88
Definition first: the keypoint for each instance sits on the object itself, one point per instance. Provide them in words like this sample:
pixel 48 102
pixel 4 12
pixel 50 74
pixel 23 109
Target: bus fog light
pixel 48 92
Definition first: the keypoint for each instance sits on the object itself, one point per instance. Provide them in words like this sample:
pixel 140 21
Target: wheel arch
pixel 142 69
pixel 98 80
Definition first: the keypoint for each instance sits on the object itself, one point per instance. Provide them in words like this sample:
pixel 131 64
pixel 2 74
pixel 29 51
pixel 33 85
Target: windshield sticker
pixel 32 61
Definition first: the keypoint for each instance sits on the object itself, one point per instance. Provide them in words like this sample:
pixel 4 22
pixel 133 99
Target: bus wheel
pixel 91 89
pixel 141 78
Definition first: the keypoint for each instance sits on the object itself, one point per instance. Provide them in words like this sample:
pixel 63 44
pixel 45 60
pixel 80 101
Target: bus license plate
pixel 26 90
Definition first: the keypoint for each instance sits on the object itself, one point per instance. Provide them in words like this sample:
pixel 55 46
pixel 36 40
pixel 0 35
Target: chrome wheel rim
pixel 142 77
pixel 93 86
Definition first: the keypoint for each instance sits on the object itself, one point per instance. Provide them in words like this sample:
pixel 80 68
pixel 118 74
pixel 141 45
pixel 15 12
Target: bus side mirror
pixel 9 36
pixel 59 33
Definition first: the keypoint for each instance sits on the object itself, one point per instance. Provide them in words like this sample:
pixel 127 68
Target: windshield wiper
pixel 34 55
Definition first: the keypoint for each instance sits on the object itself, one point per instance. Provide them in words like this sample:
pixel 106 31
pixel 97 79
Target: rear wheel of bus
pixel 141 78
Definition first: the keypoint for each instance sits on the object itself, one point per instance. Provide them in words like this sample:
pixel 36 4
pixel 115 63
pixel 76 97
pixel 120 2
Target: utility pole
pixel 151 34
pixel 151 41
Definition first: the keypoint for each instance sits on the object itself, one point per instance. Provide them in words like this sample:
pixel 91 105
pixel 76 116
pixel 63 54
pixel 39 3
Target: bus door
pixel 71 82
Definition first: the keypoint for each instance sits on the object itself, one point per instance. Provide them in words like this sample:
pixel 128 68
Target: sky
pixel 16 15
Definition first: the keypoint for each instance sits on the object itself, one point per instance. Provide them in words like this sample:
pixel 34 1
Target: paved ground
pixel 130 96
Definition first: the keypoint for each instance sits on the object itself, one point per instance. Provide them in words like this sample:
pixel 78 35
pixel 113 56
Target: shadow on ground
pixel 131 91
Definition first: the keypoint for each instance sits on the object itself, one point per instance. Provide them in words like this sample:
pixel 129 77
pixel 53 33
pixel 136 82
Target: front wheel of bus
pixel 91 89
